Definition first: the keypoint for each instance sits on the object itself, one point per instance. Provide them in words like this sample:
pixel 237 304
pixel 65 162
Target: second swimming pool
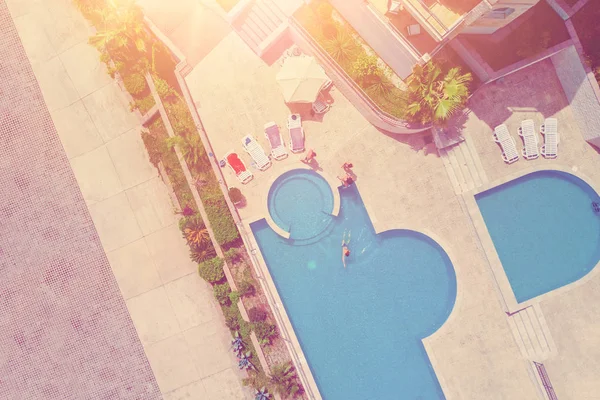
pixel 360 327
pixel 545 230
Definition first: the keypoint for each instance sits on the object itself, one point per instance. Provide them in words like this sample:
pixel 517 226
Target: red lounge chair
pixel 238 167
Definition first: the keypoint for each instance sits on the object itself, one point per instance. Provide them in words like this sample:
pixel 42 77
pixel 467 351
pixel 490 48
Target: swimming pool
pixel 544 230
pixel 360 327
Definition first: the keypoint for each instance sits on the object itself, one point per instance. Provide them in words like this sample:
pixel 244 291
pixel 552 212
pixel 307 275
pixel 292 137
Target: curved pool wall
pixel 361 327
pixel 313 202
pixel 544 230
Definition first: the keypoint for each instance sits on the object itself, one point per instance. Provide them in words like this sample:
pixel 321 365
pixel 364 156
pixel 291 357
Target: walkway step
pixel 531 333
pixel 451 175
pixel 257 25
pixel 263 9
pixel 262 24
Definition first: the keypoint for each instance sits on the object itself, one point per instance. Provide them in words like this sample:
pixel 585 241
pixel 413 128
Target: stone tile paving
pixel 573 314
pixel 65 330
pixel 403 184
pixel 133 216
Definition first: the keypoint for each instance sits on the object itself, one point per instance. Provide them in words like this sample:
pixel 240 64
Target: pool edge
pixel 499 274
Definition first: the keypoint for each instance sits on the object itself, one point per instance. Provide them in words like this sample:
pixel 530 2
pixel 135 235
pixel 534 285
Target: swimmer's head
pixel 347 253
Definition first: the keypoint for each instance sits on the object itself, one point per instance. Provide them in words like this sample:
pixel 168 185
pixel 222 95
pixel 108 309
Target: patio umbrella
pixel 301 79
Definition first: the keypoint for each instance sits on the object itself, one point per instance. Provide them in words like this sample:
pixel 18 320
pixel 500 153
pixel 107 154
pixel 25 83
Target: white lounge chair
pixel 239 168
pixel 551 139
pixel 320 107
pixel 501 133
pixel 251 145
pixel 273 135
pixel 509 150
pixel 294 125
pixel 530 139
pixel 507 143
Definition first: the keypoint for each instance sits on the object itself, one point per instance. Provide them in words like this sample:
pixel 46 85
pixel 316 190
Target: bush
pixel 212 270
pixel 163 89
pixel 235 195
pixel 221 292
pixel 256 314
pixel 246 285
pixel 232 255
pixel 245 328
pixel 135 83
pixel 221 220
pixel 232 318
pixel 234 297
pixel 265 332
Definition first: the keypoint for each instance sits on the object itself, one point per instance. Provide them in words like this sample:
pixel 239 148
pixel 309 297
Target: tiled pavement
pixel 65 332
pixel 178 324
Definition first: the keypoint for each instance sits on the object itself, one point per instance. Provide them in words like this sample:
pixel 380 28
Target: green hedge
pixel 212 270
pixel 220 219
pixel 221 292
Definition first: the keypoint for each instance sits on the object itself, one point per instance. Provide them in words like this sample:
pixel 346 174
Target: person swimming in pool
pixel 345 250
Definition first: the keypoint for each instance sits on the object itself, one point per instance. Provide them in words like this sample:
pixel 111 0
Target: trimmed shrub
pixel 234 297
pixel 235 195
pixel 135 84
pixel 232 318
pixel 221 220
pixel 212 270
pixel 256 314
pixel 245 328
pixel 246 285
pixel 265 332
pixel 221 292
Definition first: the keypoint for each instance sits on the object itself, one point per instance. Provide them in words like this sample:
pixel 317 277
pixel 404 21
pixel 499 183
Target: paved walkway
pixel 377 35
pixel 173 310
pixel 65 332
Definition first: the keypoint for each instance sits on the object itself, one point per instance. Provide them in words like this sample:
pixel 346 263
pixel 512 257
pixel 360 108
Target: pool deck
pixel 479 352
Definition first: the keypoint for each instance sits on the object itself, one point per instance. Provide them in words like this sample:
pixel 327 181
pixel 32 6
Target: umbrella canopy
pixel 301 79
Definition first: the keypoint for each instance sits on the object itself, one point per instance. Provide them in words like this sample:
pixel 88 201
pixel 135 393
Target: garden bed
pixel 537 30
pixel 227 5
pixel 588 30
pixel 133 51
pixel 329 29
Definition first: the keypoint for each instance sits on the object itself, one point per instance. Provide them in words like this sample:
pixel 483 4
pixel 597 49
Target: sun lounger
pixel 509 150
pixel 320 107
pixel 501 133
pixel 251 145
pixel 278 151
pixel 296 133
pixel 238 167
pixel 530 139
pixel 551 139
pixel 507 143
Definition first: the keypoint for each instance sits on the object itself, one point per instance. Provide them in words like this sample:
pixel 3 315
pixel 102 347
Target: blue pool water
pixel 313 202
pixel 359 327
pixel 544 230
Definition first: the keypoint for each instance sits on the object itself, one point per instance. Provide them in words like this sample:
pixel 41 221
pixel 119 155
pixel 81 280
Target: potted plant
pixel 236 196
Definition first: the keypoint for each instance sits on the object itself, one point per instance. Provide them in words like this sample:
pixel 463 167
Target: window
pixel 500 13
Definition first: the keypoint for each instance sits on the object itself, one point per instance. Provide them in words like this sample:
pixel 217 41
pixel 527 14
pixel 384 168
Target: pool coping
pixel 380 227
pixel 507 295
pixel 333 185
pixel 266 278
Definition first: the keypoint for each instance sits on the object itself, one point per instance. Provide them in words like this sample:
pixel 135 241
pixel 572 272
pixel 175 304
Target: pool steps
pixel 531 333
pixel 463 166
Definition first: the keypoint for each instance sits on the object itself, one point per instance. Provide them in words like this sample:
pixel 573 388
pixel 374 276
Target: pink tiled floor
pixel 65 332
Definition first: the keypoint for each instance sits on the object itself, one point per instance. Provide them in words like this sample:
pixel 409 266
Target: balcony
pixel 437 17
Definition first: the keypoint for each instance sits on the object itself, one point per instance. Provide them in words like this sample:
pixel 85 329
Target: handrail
pixel 541 369
pixel 403 127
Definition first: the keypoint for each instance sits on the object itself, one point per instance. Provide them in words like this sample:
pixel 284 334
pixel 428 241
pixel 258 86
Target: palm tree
pixel 237 344
pixel 434 97
pixel 284 380
pixel 197 235
pixel 342 47
pixel 244 361
pixel 121 33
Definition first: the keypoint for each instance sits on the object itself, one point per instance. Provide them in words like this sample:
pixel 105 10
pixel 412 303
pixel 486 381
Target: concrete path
pixel 173 309
pixel 377 35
